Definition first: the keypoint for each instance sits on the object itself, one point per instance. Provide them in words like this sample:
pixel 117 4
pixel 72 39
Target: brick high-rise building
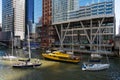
pixel 47 30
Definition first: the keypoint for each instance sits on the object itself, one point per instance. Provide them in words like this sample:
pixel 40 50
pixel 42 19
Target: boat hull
pixel 9 57
pixel 26 66
pixel 95 67
pixel 60 59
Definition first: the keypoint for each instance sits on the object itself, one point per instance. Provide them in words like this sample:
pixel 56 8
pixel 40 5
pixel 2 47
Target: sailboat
pixel 27 63
pixel 10 56
pixel 94 66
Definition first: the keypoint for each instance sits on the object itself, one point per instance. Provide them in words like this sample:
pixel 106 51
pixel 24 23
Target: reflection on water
pixel 114 71
pixel 50 70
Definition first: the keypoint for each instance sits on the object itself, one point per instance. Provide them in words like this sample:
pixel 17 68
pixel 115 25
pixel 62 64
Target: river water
pixel 51 70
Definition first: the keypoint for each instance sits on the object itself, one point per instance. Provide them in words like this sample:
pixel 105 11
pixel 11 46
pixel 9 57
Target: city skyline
pixel 85 3
pixel 81 4
pixel 88 1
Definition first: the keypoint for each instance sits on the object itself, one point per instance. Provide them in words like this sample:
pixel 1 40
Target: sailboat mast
pixel 97 42
pixel 72 42
pixel 29 42
pixel 12 42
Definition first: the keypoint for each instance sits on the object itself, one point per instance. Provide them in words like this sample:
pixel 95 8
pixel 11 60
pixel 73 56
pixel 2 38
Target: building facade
pixel 60 9
pixel 13 12
pixel 47 30
pixel 97 9
pixel 19 18
pixel 7 15
pixel 73 5
pixel 88 28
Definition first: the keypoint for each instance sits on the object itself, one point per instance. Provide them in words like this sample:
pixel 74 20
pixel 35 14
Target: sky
pixel 87 2
pixel 117 13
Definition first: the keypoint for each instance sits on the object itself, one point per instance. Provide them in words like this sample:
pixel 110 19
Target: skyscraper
pixel 13 12
pixel 33 13
pixel 29 15
pixel 60 9
pixel 47 30
pixel 19 19
pixel 7 15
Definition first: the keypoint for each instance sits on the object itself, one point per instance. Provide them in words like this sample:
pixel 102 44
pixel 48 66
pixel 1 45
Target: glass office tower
pixel 13 17
pixel 29 14
pixel 33 13
pixel 7 15
pixel 60 9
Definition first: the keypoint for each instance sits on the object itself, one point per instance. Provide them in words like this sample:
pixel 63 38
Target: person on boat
pixel 75 57
pixel 27 61
pixel 37 61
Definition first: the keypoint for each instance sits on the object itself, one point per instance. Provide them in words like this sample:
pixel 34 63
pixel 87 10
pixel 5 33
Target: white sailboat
pixel 10 56
pixel 94 66
pixel 27 63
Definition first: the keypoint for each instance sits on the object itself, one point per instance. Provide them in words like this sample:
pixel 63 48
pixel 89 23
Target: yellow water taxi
pixel 60 56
